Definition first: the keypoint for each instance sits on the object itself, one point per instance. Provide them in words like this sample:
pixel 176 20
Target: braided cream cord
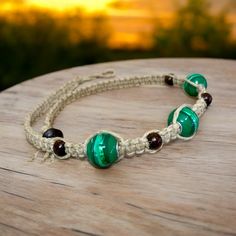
pixel 76 89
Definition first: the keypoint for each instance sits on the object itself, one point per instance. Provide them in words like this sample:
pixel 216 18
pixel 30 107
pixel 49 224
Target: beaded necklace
pixel 105 148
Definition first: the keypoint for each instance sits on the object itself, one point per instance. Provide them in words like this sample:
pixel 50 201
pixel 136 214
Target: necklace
pixel 105 148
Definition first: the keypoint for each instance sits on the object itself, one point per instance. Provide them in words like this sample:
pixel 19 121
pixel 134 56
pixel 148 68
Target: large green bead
pixel 197 79
pixel 188 120
pixel 102 150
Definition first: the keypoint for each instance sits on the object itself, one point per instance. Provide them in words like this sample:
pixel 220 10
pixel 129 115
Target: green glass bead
pixel 197 79
pixel 102 150
pixel 188 120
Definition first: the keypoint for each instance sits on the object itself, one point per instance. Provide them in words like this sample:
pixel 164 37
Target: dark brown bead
pixel 169 79
pixel 59 148
pixel 207 98
pixel 154 140
pixel 53 133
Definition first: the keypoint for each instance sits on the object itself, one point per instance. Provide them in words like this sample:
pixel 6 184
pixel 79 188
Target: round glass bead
pixel 154 140
pixel 169 79
pixel 102 150
pixel 52 133
pixel 59 148
pixel 188 120
pixel 197 79
pixel 207 98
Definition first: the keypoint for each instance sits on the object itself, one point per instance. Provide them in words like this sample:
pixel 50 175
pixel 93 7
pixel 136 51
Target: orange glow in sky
pixel 89 5
pixel 126 33
pixel 131 20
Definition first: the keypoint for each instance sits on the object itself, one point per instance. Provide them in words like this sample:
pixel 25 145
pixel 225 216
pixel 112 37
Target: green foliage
pixel 195 32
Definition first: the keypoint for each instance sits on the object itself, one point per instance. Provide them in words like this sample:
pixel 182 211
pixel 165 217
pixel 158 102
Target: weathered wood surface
pixel 188 188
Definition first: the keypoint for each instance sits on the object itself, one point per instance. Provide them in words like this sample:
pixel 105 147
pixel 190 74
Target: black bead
pixel 207 98
pixel 154 140
pixel 169 79
pixel 59 148
pixel 53 133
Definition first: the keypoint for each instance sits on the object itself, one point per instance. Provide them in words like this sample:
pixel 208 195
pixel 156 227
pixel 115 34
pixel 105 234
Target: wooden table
pixel 188 188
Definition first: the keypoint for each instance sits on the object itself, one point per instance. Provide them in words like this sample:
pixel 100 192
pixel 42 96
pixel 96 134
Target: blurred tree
pixel 36 42
pixel 195 32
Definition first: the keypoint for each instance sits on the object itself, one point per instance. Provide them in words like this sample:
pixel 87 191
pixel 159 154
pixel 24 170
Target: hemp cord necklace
pixel 106 148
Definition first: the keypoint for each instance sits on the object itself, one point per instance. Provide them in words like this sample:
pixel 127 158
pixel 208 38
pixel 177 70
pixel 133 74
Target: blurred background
pixel 41 36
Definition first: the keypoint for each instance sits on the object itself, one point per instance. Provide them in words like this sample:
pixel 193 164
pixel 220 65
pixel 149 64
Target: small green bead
pixel 197 79
pixel 188 120
pixel 102 150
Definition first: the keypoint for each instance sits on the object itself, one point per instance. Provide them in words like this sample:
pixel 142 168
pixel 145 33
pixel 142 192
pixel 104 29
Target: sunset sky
pixel 133 6
pixel 89 5
pixel 131 20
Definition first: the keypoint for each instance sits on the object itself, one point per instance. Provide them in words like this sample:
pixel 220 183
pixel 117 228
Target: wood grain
pixel 188 188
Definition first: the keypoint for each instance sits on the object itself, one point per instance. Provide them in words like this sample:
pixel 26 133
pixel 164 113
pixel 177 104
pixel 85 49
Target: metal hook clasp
pixel 107 74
